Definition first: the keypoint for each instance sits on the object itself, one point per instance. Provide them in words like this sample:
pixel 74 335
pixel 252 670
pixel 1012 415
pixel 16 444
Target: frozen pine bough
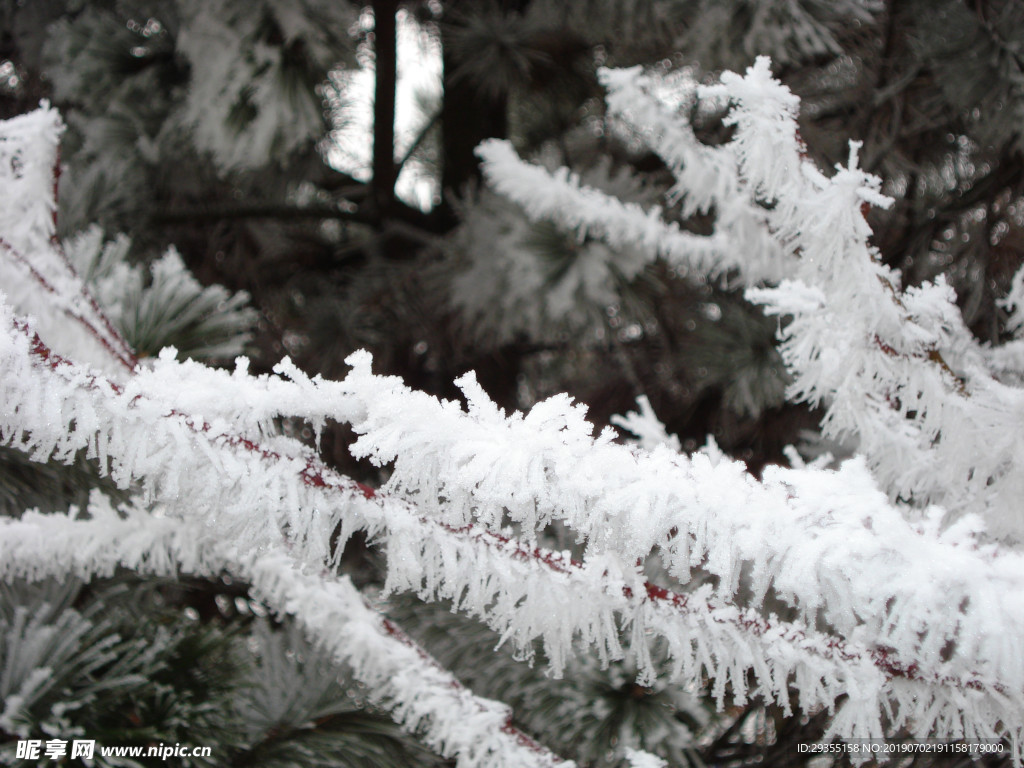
pixel 900 571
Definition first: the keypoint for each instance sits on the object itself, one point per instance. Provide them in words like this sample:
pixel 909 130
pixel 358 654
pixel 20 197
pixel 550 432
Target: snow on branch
pixel 896 370
pixel 560 197
pixel 136 441
pixel 96 542
pixel 707 178
pixel 34 270
pixel 804 533
pixel 399 675
pixel 237 491
pixel 825 541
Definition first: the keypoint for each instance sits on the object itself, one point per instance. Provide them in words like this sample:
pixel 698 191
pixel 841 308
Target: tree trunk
pixel 385 45
pixel 467 118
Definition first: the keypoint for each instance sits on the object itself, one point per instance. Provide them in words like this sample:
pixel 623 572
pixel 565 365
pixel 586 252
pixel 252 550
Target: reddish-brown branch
pixel 124 356
pixel 56 187
pixel 932 355
pixel 36 274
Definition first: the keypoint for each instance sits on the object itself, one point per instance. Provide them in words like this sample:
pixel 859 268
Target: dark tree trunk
pixel 385 46
pixel 467 117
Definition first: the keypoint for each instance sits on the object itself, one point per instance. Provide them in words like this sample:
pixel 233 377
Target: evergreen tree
pixel 202 132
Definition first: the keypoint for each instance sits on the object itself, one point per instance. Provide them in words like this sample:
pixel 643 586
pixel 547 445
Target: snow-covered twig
pixel 34 269
pixel 896 370
pixel 560 197
pixel 399 675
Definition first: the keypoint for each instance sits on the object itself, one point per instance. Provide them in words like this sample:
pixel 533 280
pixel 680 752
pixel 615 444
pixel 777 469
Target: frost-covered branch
pixel 825 541
pixel 897 371
pixel 880 360
pixel 560 197
pixel 35 272
pixel 398 674
pixel 797 532
pixel 707 178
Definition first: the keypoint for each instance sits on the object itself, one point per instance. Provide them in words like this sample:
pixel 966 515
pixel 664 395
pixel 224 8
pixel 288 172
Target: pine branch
pixel 911 373
pixel 585 211
pixel 35 260
pixel 402 676
pixel 280 212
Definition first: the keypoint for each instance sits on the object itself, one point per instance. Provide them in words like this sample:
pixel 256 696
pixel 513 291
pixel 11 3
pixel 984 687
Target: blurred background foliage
pixel 246 134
